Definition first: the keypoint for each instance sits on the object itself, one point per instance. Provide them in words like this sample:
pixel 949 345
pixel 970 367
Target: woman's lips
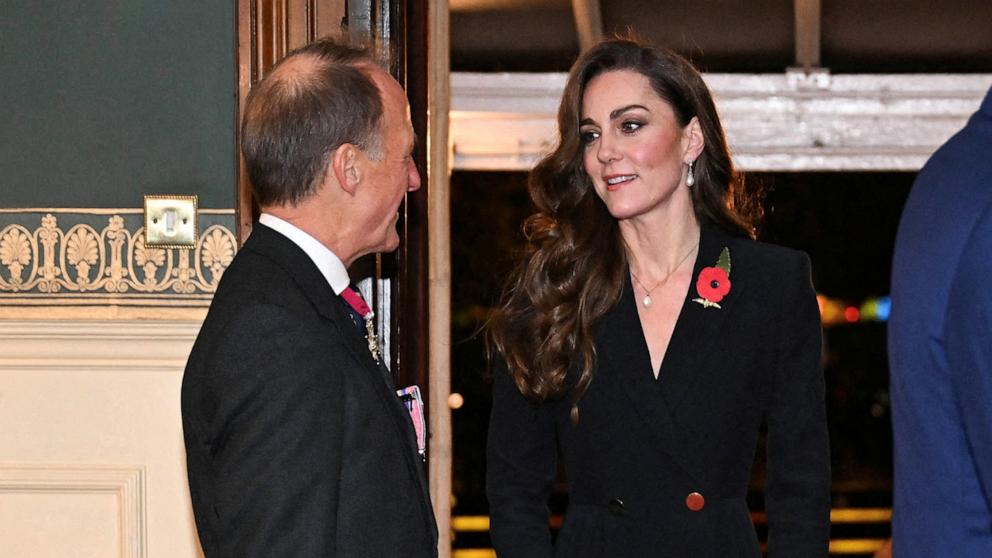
pixel 616 181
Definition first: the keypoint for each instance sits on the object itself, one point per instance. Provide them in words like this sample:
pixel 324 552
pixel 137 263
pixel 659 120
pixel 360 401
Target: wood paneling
pixel 266 31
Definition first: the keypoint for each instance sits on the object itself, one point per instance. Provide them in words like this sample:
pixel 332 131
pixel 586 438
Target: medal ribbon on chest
pixel 358 304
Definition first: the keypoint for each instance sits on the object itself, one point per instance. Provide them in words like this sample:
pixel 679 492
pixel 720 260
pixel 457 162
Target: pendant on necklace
pixel 646 301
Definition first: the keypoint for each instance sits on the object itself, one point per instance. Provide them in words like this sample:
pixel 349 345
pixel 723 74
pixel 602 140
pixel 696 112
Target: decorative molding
pixel 137 345
pixel 98 260
pixel 774 122
pixel 127 484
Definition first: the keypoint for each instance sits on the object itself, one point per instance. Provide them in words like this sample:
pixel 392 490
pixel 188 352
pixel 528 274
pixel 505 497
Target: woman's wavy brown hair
pixel 573 269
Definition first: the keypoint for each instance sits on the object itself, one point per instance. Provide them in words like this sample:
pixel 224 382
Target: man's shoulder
pixel 251 275
pixel 947 197
pixel 961 166
pixel 268 262
pixel 255 283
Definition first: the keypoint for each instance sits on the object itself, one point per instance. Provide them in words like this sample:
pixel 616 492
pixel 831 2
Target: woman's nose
pixel 607 152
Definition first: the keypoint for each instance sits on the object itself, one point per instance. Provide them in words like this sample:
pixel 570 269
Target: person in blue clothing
pixel 940 352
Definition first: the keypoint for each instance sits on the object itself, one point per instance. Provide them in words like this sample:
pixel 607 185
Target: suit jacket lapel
pixel 300 267
pixel 330 306
pixel 314 286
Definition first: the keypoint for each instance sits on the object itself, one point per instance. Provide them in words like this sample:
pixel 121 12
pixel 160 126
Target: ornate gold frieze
pixel 96 262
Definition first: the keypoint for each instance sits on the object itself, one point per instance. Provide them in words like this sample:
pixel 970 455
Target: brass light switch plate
pixel 170 221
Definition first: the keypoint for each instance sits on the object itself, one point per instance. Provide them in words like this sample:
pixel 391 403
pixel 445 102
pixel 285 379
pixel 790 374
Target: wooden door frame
pixel 265 30
pixel 425 255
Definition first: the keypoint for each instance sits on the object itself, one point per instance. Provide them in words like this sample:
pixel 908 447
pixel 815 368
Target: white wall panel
pixel 72 511
pixel 90 402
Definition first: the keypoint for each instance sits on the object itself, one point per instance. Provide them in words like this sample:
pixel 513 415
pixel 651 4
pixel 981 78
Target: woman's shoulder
pixel 757 255
pixel 766 266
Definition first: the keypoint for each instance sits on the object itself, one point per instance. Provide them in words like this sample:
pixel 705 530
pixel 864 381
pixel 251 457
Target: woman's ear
pixel 346 168
pixel 692 137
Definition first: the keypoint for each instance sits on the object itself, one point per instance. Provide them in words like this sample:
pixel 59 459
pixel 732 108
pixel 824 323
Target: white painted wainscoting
pixel 91 451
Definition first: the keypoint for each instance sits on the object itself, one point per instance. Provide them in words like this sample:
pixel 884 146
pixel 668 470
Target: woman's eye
pixel 630 126
pixel 588 136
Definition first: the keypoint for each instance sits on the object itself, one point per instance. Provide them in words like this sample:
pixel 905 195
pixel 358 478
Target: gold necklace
pixel 647 301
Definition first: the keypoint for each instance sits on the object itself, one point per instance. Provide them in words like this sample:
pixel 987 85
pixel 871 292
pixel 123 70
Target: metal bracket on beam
pixel 812 79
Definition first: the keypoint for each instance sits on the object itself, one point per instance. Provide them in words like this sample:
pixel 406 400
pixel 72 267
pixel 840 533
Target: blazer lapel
pixel 622 351
pixel 623 358
pixel 696 338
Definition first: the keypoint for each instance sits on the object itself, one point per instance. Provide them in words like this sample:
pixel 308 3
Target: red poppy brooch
pixel 713 283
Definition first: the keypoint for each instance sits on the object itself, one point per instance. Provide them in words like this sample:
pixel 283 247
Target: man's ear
pixel 694 141
pixel 346 168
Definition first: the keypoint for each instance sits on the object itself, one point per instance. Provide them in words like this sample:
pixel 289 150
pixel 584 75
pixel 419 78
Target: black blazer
pixel 296 444
pixel 646 451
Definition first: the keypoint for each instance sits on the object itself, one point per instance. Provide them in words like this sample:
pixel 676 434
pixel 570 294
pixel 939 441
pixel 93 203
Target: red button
pixel 695 501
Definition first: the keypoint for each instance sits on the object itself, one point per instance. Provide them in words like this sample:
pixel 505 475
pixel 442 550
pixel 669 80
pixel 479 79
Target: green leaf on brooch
pixel 724 261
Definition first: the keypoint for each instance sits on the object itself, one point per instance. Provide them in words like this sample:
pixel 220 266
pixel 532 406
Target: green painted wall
pixel 103 101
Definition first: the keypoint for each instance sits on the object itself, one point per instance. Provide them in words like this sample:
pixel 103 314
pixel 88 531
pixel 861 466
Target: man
pixel 297 444
pixel 940 352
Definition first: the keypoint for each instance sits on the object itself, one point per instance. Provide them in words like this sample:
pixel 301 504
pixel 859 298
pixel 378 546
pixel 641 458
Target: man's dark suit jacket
pixel 296 443
pixel 660 468
pixel 940 352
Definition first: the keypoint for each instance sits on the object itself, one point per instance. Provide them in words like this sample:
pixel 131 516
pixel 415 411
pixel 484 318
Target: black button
pixel 616 507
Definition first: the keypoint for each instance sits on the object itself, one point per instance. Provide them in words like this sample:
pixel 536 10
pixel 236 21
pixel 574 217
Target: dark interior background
pixel 880 36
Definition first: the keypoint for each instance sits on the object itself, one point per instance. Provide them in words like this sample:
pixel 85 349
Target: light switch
pixel 170 221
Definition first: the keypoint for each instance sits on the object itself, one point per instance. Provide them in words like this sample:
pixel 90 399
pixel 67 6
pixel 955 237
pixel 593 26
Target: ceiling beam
pixel 856 122
pixel 588 22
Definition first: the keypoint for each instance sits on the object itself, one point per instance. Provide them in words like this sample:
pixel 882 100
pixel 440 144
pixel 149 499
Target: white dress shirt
pixel 330 266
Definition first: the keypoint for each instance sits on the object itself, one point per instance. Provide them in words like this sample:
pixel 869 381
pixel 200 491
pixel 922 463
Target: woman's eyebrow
pixel 616 113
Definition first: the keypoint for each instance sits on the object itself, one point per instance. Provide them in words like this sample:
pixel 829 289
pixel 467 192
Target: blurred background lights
pixel 455 401
pixel 834 312
pixel 883 306
pixel 851 314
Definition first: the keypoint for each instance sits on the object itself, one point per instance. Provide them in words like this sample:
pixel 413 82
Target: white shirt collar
pixel 330 266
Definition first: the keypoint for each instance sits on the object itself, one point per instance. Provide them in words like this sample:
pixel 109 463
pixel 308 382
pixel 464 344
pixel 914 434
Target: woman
pixel 646 338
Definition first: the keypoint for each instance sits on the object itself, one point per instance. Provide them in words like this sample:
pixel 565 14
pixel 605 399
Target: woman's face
pixel 634 150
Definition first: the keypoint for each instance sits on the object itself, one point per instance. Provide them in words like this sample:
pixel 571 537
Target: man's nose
pixel 413 180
